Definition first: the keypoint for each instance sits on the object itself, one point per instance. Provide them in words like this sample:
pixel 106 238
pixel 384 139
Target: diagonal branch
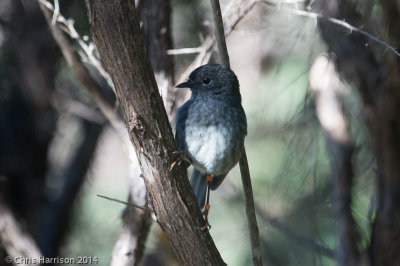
pixel 116 32
pixel 244 167
pixel 73 60
pixel 135 229
pixel 155 20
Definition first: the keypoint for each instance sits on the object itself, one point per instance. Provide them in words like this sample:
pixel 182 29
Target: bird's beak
pixel 186 84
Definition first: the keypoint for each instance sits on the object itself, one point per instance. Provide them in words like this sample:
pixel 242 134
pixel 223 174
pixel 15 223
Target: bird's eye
pixel 206 81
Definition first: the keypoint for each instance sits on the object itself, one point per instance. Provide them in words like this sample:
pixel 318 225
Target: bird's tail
pixel 198 181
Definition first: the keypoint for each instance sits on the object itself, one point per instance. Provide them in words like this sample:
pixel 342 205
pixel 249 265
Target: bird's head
pixel 212 79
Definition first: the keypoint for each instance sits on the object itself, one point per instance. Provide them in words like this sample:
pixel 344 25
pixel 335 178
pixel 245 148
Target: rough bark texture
pixel 116 32
pixel 376 72
pixel 155 18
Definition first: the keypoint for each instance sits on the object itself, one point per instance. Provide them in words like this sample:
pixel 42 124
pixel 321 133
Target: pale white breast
pixel 207 147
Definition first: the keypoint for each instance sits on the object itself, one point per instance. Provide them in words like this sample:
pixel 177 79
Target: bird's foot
pixel 179 159
pixel 205 213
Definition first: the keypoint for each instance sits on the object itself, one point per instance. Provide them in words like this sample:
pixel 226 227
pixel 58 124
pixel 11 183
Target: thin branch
pixel 94 88
pixel 74 61
pixel 219 33
pixel 56 12
pixel 130 246
pixel 232 16
pixel 185 51
pixel 144 208
pixel 244 167
pixel 169 193
pixel 334 21
pixel 60 31
pixel 88 50
pixel 250 209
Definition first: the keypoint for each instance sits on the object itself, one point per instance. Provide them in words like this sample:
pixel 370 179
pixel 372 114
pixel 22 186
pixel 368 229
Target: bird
pixel 210 128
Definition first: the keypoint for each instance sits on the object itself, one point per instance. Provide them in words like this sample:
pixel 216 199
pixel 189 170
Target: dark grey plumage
pixel 211 126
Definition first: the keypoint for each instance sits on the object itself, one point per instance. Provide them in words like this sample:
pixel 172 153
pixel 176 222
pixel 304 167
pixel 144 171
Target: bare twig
pixel 129 247
pixel 59 31
pixel 219 33
pixel 144 208
pixel 56 12
pixel 88 50
pixel 74 61
pixel 244 167
pixel 325 83
pixel 250 209
pixel 232 16
pixel 185 51
pixel 81 71
pixel 334 21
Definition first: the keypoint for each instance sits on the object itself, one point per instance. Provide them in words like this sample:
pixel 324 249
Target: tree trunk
pixel 155 18
pixel 116 32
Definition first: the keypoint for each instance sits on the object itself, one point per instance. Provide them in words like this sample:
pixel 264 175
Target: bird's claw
pixel 206 226
pixel 205 213
pixel 179 159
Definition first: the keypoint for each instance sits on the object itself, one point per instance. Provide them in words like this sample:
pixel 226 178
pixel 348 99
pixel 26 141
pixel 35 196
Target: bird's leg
pixel 179 159
pixel 207 206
